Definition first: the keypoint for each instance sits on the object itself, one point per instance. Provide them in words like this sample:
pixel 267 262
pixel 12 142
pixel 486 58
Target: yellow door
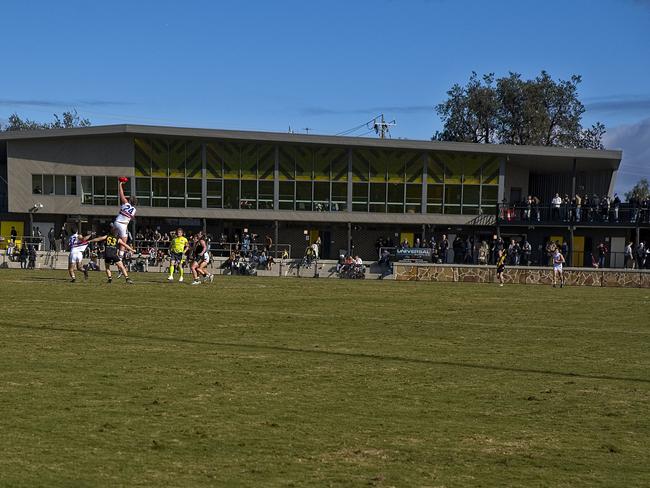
pixel 407 236
pixel 313 236
pixel 578 251
pixel 5 231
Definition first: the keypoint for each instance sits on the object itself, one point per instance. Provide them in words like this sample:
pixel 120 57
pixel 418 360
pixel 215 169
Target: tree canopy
pixel 511 110
pixel 67 120
pixel 640 191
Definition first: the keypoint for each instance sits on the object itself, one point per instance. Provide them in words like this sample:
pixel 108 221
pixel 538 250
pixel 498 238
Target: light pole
pixel 35 208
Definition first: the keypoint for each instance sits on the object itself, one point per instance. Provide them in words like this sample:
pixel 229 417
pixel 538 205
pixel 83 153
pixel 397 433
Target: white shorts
pixel 121 229
pixel 557 268
pixel 76 257
pixel 206 258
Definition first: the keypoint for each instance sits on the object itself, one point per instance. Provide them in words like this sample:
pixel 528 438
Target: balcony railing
pixel 622 215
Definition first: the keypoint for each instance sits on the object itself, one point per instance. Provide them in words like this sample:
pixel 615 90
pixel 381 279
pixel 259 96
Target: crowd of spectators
pixel 581 208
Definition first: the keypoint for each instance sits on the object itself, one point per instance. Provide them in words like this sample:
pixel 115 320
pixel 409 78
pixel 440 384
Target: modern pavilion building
pixel 293 187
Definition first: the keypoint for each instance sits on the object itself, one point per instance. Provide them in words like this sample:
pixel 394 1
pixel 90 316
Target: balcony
pixel 623 215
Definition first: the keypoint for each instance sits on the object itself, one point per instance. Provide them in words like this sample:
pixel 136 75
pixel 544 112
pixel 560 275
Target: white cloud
pixel 634 140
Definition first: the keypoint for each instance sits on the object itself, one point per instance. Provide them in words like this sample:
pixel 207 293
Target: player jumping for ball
pixel 127 212
pixel 201 260
pixel 558 261
pixel 177 249
pixel 112 254
pixel 78 245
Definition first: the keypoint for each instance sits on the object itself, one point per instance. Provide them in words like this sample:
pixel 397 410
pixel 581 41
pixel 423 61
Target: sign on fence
pixel 413 253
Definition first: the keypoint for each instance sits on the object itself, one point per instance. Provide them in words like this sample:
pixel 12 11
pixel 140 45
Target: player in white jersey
pixel 558 261
pixel 78 245
pixel 127 212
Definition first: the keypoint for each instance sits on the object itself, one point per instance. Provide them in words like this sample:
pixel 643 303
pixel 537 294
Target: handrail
pixel 570 213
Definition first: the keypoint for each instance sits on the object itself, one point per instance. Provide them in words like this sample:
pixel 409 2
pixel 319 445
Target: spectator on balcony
pixel 556 203
pixel 538 213
pixel 577 205
pixel 566 208
pixel 593 207
pixel 604 208
pixel 602 251
pixel 528 210
pixel 616 205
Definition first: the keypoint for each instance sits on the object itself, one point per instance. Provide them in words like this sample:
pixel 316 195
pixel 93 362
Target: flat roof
pixel 521 154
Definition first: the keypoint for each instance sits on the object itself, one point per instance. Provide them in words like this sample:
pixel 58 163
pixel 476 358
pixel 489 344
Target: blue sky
pixel 327 66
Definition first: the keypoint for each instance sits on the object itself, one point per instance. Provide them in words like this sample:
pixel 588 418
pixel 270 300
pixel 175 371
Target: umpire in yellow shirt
pixel 177 249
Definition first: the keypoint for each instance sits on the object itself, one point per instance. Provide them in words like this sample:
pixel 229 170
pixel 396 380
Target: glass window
pixel 59 185
pixel 396 197
pixel 452 198
pixel 434 198
pixel 304 163
pixel 37 184
pixel 286 195
pixel 87 190
pixel 230 156
pixel 248 194
pixel 453 170
pixel 472 170
pixel 377 197
pixel 286 163
pixel 489 195
pixel 99 190
pixel 143 191
pixel 435 168
pixel 266 163
pixel 303 195
pixel 194 158
pixel 265 189
pixel 360 197
pixel 231 194
pixel 111 191
pixel 194 190
pixel 471 194
pixel 360 170
pixel 413 198
pixel 177 159
pixel 339 197
pixel 322 160
pixel 159 190
pixel 321 196
pixel 339 162
pixel 48 185
pixel 159 157
pixel 214 192
pixel 177 188
pixel 71 185
pixel 248 162
pixel 142 157
pixel 490 172
pixel 413 168
pixel 213 162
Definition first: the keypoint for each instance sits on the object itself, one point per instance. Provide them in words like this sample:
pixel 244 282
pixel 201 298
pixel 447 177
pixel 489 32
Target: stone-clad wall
pixel 522 275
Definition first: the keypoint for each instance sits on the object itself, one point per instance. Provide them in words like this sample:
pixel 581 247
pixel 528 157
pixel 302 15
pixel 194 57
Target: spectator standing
pixel 526 251
pixel 577 202
pixel 14 234
pixel 616 204
pixel 628 255
pixel 641 255
pixel 51 238
pixel 556 203
pixel 444 247
pixel 602 254
pixel 23 256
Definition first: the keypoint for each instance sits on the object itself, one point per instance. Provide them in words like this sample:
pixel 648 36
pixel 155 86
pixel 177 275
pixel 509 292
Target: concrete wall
pixel 522 275
pixel 101 156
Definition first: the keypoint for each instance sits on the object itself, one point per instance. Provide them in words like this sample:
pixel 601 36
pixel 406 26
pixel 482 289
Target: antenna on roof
pixel 381 127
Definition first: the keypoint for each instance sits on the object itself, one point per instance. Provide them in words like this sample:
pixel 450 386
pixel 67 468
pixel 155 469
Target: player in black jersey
pixel 501 266
pixel 112 254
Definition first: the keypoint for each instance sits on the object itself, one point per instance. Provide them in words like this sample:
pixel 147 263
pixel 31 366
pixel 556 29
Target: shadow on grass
pixel 356 355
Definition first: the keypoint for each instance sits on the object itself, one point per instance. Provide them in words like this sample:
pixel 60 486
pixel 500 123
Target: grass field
pixel 289 382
